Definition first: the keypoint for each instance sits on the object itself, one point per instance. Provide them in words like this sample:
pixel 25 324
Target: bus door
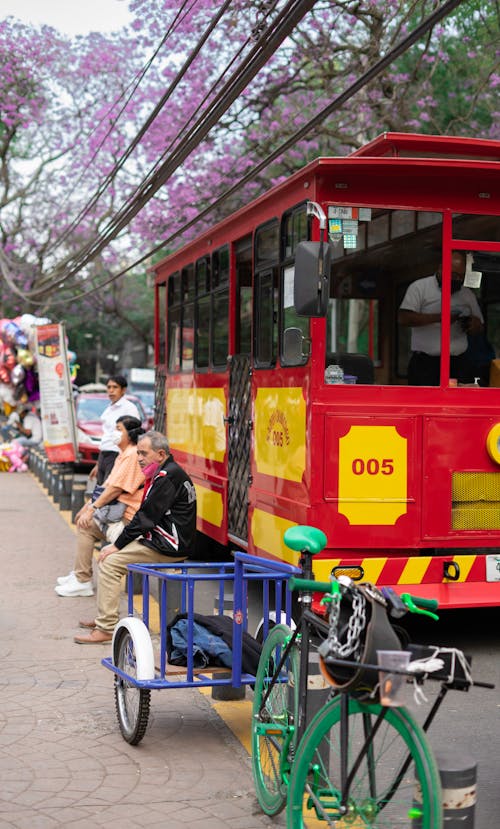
pixel 239 434
pixel 239 410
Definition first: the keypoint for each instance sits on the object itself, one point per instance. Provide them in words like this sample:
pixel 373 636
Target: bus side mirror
pixel 311 288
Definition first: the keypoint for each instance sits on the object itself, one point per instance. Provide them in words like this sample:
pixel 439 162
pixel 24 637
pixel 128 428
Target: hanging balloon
pixel 9 358
pixel 31 384
pixel 6 394
pixel 17 375
pixel 13 334
pixel 25 357
pixel 20 392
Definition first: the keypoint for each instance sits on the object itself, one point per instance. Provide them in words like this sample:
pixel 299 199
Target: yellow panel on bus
pixel 195 422
pixel 280 433
pixel 209 505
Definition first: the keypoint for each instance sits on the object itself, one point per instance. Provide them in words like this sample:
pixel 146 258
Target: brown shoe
pixel 97 637
pixel 90 624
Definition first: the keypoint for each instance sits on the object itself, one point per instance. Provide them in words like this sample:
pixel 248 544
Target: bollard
pixel 65 486
pixel 44 472
pixel 226 693
pixel 77 499
pixel 458 773
pixel 54 482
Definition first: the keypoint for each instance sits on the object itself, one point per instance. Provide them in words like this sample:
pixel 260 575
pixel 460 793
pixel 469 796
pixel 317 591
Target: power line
pixel 119 164
pixel 268 41
pixel 337 102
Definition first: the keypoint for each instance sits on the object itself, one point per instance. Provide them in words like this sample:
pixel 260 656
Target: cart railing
pixel 176 586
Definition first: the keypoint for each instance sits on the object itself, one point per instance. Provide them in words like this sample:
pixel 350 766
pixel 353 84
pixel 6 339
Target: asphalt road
pixel 468 723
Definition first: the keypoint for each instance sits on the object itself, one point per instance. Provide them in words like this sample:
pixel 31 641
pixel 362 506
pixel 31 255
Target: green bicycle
pixel 357 764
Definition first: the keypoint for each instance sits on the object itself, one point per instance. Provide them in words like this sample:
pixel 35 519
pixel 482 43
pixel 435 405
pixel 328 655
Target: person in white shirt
pixel 29 428
pixel 116 387
pixel 421 310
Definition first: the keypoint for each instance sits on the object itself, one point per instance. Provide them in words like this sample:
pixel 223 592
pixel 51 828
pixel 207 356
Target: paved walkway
pixel 63 762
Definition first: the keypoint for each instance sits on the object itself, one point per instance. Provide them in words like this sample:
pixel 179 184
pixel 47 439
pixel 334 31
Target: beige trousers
pixel 109 578
pixel 85 542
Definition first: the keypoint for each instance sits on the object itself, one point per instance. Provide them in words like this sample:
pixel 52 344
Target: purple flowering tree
pixel 85 122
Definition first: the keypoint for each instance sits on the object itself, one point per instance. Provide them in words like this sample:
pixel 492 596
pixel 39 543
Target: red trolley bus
pixel 404 479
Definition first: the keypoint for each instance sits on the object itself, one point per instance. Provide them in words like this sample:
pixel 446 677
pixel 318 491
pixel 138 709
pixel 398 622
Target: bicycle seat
pixel 305 539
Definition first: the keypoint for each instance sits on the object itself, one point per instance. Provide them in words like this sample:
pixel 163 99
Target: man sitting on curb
pixel 161 531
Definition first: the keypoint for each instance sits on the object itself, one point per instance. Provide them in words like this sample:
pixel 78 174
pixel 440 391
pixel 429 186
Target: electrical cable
pixel 121 161
pixel 337 102
pixel 267 43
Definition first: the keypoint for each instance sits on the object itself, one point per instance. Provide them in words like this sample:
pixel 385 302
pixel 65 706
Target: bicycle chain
pixel 355 627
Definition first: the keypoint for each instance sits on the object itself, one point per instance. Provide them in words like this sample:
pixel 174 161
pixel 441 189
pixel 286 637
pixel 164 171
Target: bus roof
pixel 391 156
pixel 413 145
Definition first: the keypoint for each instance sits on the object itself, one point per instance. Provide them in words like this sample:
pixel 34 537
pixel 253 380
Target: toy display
pixel 12 456
pixel 18 374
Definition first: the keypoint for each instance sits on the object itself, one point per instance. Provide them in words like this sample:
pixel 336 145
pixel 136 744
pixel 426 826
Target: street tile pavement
pixel 63 762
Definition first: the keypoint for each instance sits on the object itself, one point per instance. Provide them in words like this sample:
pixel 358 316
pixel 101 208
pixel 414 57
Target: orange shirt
pixel 128 476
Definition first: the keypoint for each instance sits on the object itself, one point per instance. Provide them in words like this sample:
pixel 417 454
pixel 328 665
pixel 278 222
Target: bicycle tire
pixel 273 724
pixel 373 801
pixel 132 704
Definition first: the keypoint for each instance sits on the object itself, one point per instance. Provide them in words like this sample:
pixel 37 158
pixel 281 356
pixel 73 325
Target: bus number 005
pixel 372 466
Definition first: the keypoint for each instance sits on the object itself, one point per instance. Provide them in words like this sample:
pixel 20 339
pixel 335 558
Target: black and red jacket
pixel 166 519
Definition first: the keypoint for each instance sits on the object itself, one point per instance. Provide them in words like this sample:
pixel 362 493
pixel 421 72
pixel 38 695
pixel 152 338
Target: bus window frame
pixel 287 262
pixel 263 269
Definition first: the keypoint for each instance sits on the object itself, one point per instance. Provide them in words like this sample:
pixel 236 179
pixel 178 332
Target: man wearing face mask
pixel 162 530
pixel 421 311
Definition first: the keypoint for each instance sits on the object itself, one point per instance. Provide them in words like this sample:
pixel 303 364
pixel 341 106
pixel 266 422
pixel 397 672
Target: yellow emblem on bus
pixel 372 475
pixel 280 432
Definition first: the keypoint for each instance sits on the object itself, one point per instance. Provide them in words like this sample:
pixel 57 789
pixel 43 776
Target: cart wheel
pixel 132 703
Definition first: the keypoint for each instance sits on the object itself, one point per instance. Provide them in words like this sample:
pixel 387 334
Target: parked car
pixel 89 408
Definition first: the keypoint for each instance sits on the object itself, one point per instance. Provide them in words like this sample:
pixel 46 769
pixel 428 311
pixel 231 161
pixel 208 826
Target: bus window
pixel 174 339
pixel 265 340
pixel 244 295
pixel 174 322
pixel 187 352
pixel 266 294
pixel 161 342
pixel 220 328
pixel 202 314
pixel 219 344
pixel 294 229
pixel 377 253
pixel 203 332
pixel 267 245
pixel 353 327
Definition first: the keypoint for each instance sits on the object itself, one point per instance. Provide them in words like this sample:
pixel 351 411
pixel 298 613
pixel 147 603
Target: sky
pixel 72 17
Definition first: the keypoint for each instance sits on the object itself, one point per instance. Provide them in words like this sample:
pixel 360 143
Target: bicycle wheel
pixel 273 721
pixel 394 785
pixel 132 703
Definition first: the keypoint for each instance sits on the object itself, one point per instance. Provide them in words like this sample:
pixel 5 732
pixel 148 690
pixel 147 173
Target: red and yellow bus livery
pixel 403 479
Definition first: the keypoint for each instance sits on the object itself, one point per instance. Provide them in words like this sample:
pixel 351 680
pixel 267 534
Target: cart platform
pixel 170 589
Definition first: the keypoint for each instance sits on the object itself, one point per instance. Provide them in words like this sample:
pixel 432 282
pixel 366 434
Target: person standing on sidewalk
pixel 124 485
pixel 162 531
pixel 116 388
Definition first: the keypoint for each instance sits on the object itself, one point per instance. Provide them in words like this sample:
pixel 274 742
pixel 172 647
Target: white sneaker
pixel 73 587
pixel 64 579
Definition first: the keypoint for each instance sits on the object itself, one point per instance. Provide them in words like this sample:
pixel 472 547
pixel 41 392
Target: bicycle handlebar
pixel 414 604
pixel 313 586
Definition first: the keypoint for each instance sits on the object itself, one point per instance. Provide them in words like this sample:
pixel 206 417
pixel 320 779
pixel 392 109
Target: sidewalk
pixel 63 762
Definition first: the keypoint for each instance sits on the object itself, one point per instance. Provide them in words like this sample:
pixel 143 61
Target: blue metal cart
pixel 139 657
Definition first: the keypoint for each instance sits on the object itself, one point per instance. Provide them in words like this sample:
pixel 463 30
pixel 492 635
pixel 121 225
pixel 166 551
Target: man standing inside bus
pixel 421 311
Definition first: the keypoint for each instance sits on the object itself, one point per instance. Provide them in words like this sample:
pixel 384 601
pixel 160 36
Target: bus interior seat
pixel 359 365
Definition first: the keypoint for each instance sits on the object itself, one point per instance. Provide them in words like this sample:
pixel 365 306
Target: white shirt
pixel 34 424
pixel 424 297
pixel 108 419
